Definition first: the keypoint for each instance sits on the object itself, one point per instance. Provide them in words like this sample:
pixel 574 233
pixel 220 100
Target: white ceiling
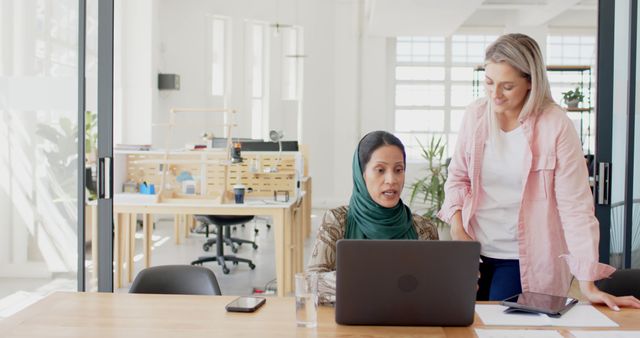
pixel 418 17
pixel 444 17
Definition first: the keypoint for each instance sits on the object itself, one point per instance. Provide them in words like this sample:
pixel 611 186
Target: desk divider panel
pixel 208 170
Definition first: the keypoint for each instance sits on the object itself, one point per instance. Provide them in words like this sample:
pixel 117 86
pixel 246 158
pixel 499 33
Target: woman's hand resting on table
pixel 594 295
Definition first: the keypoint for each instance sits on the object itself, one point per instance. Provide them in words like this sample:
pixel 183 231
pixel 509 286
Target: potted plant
pixel 90 148
pixel 59 147
pixel 430 188
pixel 573 97
pixel 60 150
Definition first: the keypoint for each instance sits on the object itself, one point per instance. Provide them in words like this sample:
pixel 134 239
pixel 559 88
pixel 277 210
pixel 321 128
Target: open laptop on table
pixel 406 282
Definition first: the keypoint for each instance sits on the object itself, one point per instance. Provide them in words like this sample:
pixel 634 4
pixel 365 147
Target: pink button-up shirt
pixel 558 233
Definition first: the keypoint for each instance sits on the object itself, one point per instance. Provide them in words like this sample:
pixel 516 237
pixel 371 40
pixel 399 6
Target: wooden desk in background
pixel 287 226
pixel 83 315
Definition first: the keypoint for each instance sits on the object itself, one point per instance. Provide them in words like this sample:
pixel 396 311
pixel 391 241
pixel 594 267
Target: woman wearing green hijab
pixel 375 210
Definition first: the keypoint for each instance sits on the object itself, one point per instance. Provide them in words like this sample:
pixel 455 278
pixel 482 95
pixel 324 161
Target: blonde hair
pixel 522 53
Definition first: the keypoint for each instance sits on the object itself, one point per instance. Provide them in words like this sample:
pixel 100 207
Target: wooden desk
pixel 125 315
pixel 287 224
pixel 306 209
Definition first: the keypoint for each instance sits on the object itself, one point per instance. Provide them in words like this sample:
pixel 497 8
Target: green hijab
pixel 367 219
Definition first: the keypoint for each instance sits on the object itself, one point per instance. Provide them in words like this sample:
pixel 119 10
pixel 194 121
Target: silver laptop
pixel 406 282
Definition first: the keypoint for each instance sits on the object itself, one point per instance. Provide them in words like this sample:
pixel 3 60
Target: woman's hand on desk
pixel 594 295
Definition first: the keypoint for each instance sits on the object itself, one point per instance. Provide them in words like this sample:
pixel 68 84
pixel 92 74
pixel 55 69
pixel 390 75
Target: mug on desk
pixel 238 192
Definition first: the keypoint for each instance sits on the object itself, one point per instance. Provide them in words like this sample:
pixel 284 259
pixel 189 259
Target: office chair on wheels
pixel 222 236
pixel 233 242
pixel 255 224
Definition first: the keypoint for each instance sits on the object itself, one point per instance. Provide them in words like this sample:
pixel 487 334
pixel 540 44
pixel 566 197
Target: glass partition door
pixel 38 151
pixel 617 189
pixel 634 215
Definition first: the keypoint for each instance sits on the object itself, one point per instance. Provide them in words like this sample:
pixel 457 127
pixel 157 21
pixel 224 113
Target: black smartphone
pixel 554 306
pixel 245 304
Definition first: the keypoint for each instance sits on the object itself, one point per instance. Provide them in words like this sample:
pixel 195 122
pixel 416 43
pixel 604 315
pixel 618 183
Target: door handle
pixel 603 183
pixel 105 175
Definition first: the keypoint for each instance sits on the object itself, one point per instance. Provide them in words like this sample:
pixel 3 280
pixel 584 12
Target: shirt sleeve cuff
pixel 588 270
pixel 445 214
pixel 452 203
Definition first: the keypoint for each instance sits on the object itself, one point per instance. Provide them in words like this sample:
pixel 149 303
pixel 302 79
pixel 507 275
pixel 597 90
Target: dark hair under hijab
pixel 374 140
pixel 365 217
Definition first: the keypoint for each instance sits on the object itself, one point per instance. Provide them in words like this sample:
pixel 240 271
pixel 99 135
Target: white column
pixel 138 75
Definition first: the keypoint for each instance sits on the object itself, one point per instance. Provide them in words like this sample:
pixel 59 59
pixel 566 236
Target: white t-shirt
pixel 501 179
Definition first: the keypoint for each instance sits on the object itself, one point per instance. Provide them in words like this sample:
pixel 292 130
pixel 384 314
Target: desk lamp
pixel 276 136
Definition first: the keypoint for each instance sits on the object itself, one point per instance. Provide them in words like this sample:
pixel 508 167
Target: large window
pixel 433 85
pixel 570 58
pixel 218 54
pixel 571 49
pixel 258 61
pixel 291 47
pixel 434 82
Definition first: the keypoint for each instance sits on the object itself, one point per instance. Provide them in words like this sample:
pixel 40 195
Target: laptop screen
pixel 406 282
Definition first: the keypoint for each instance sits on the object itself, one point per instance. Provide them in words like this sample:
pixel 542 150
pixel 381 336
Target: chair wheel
pixel 268 226
pixel 256 231
pixel 234 249
pixel 206 247
pixel 252 266
pixel 255 246
pixel 225 270
pixel 235 263
pixel 240 244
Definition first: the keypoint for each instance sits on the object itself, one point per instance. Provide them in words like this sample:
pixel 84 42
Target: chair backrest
pixel 223 219
pixel 176 279
pixel 622 283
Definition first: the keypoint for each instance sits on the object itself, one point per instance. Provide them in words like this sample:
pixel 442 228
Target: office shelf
pixel 583 114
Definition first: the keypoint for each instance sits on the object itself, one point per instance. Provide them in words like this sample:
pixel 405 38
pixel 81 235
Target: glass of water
pixel 306 299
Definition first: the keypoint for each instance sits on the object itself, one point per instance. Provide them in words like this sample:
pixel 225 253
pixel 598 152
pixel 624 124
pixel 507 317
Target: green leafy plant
pixel 573 97
pixel 90 148
pixel 430 188
pixel 91 131
pixel 61 156
pixel 61 152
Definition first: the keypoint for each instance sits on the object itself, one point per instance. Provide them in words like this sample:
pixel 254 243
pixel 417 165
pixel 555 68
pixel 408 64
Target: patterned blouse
pixel 323 257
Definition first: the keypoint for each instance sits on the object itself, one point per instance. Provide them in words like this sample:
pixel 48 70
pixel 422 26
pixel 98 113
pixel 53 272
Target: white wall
pixel 319 19
pixel 134 70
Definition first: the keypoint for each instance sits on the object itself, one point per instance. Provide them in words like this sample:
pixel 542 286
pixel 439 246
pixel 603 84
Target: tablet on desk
pixel 553 306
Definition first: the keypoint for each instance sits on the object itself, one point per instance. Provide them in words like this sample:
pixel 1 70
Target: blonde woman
pixel 518 184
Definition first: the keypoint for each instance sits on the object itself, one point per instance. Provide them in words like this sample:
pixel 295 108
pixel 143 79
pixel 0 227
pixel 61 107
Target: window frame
pixel 448 83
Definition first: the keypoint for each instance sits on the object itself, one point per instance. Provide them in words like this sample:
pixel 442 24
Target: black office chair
pixel 176 279
pixel 622 283
pixel 233 242
pixel 255 224
pixel 221 237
